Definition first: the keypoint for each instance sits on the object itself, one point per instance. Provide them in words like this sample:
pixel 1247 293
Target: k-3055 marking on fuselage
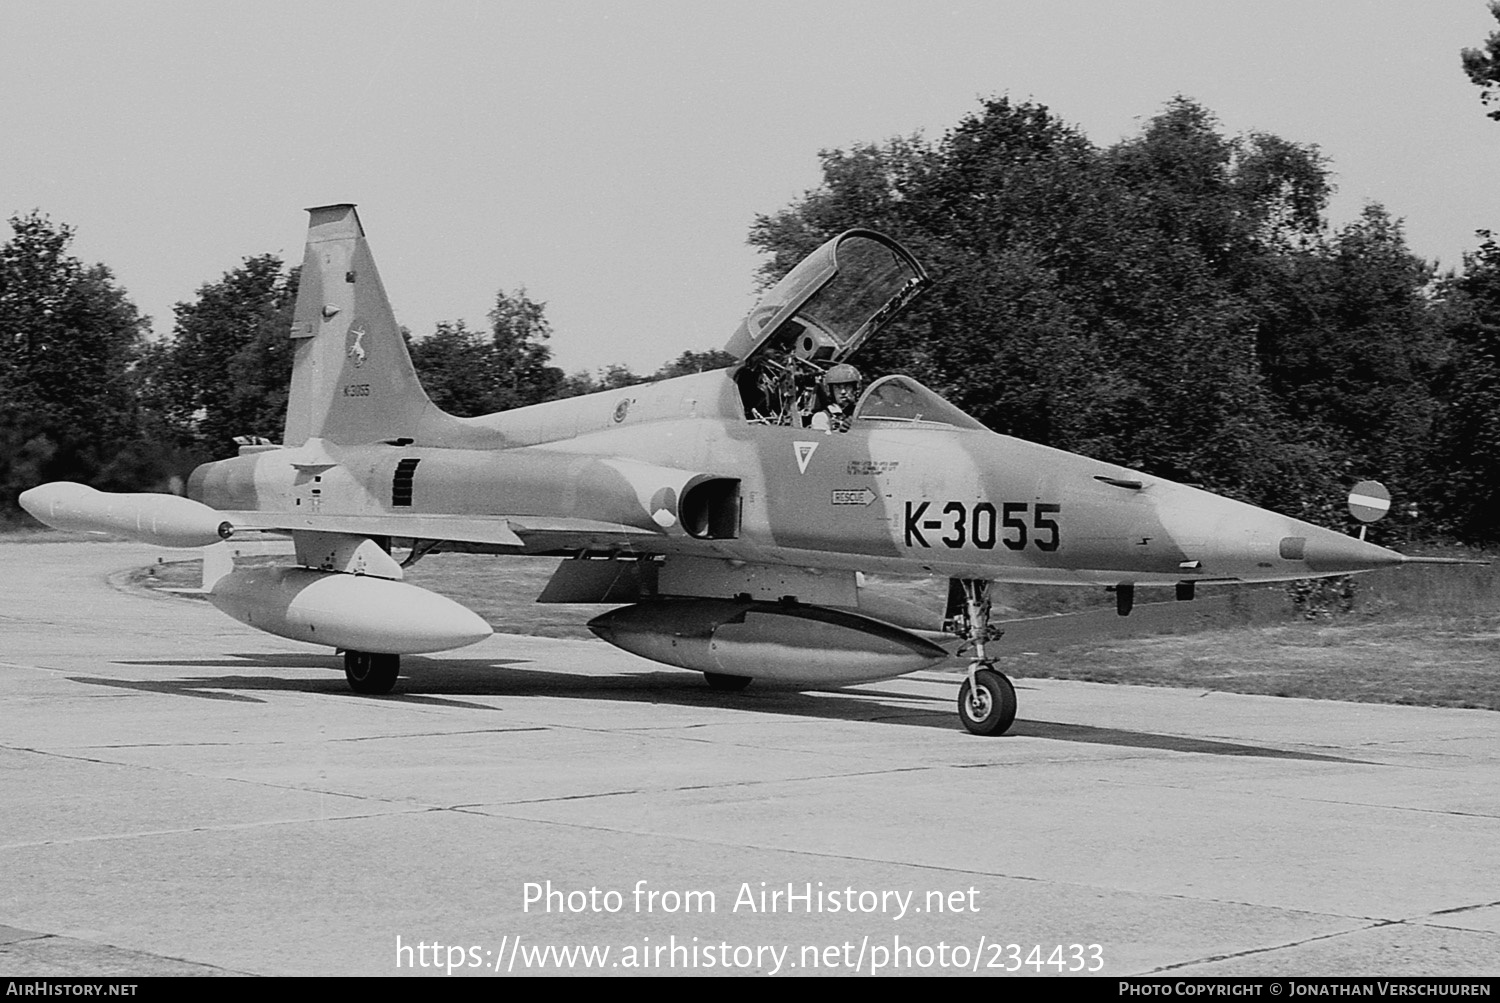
pixel 983 526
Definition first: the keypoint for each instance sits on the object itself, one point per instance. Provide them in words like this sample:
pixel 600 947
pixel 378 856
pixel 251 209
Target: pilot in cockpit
pixel 841 386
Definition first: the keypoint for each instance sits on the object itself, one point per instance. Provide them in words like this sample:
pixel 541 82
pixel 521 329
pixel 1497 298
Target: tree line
pixel 1176 302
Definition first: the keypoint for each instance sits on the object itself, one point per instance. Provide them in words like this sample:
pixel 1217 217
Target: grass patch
pixel 1427 661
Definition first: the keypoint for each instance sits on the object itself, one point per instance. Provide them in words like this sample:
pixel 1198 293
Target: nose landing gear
pixel 986 700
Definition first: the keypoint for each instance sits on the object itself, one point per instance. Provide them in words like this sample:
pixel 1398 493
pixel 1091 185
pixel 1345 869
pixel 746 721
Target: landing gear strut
pixel 986 700
pixel 371 672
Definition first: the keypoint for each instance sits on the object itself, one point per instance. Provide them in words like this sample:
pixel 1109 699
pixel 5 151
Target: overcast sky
pixel 610 157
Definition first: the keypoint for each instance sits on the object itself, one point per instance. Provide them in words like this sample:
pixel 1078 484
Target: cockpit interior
pixel 806 327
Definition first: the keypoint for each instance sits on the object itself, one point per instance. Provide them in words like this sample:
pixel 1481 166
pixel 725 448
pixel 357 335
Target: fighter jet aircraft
pixel 732 512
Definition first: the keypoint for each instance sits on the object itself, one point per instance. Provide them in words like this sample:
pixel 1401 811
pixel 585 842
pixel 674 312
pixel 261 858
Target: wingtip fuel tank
pixel 165 520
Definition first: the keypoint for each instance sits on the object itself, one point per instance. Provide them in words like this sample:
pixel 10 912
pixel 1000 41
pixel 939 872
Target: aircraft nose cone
pixel 1327 552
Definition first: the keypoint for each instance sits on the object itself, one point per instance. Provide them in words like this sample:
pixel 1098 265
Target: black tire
pixel 726 684
pixel 371 672
pixel 993 710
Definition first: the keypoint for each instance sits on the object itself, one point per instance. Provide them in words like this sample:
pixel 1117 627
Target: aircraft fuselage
pixel 912 497
pixel 732 510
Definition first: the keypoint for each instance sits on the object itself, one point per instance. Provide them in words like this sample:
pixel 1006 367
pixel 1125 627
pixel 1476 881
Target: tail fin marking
pixel 352 377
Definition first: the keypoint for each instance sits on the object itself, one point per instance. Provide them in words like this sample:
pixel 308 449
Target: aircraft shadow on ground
pixel 1174 743
pixel 444 682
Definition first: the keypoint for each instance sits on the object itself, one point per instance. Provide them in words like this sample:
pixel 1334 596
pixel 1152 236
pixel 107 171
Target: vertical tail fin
pixel 352 377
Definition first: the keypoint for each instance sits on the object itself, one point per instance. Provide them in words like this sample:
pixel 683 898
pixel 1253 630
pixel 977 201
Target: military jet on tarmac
pixel 731 511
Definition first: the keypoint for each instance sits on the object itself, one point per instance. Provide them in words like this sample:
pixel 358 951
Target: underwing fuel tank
pixel 355 612
pixel 780 642
pixel 165 520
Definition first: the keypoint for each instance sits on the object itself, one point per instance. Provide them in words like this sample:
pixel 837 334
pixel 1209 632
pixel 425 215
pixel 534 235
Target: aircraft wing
pixel 500 531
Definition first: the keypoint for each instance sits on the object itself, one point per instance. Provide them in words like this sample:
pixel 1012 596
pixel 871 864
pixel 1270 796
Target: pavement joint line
pixel 1393 807
pixel 12 618
pixel 1253 951
pixel 62 938
pixel 1449 926
pixel 443 734
pixel 1123 757
pixel 383 800
pixel 211 777
pixel 704 740
pixel 665 733
pixel 1464 908
pixel 728 785
pixel 1428 753
pixel 224 827
pixel 794 851
pixel 316 742
pixel 1317 800
pixel 186 745
pixel 74 757
pixel 478 807
pixel 652 729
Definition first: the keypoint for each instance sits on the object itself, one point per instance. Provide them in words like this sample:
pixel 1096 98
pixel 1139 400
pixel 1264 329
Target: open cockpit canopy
pixel 836 297
pixel 816 317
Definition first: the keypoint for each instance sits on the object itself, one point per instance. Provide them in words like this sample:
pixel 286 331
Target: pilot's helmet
pixel 841 373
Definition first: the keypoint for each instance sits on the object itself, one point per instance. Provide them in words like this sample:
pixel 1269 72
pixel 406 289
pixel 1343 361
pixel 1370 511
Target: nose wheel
pixel 986 700
pixel 987 703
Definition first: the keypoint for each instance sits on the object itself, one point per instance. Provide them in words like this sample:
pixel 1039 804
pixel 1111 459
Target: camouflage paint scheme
pixel 734 528
pixel 915 487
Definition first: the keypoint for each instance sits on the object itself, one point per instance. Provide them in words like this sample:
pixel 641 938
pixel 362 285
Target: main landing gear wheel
pixel 371 672
pixel 989 706
pixel 727 684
